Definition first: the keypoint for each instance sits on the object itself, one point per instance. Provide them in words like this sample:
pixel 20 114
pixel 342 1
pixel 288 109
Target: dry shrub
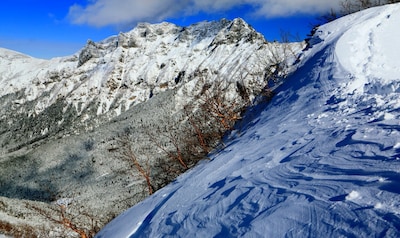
pixel 69 222
pixel 20 230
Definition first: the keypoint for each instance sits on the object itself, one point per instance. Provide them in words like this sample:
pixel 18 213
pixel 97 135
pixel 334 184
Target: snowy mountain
pixel 67 123
pixel 107 78
pixel 322 159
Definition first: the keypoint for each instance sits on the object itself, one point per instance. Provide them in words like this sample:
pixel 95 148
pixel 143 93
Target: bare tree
pixel 174 138
pixel 347 7
pixel 126 152
pixel 214 102
pixel 67 223
pixel 59 215
pixel 199 131
pixel 351 6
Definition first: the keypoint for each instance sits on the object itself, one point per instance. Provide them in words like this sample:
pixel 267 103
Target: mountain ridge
pixel 68 124
pixel 108 77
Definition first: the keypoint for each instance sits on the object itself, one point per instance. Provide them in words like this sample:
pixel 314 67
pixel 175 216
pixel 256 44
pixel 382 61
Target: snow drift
pixel 322 158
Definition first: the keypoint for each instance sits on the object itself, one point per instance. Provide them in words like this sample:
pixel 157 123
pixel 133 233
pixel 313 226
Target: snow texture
pixel 322 158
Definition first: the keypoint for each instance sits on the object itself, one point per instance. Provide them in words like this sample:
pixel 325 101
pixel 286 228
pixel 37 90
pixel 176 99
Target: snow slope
pixel 323 158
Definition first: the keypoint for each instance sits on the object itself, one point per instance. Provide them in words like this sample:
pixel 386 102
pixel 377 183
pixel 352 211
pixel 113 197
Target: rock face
pixel 63 120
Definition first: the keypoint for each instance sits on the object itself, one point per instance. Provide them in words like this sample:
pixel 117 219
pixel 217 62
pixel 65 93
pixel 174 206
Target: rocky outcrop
pixel 91 50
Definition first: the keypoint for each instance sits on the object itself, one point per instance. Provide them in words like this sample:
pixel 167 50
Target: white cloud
pixel 279 8
pixel 115 12
pixel 120 12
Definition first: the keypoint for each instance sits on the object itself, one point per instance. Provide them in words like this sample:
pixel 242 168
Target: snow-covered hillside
pixel 67 123
pixel 108 78
pixel 322 159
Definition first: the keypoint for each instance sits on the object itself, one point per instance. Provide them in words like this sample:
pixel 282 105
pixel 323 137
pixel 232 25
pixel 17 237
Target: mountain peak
pixel 214 32
pixel 237 31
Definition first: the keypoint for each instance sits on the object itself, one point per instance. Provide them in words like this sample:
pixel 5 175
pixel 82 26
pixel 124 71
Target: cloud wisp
pixel 101 13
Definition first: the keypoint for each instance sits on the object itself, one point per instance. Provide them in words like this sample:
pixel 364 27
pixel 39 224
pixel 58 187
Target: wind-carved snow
pixel 321 158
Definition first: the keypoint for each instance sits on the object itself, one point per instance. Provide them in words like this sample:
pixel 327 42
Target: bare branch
pixel 127 153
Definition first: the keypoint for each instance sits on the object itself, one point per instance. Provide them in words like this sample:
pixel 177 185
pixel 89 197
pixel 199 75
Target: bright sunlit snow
pixel 322 159
pixel 148 58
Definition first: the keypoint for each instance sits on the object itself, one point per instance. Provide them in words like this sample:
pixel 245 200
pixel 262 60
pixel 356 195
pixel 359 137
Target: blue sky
pixel 45 29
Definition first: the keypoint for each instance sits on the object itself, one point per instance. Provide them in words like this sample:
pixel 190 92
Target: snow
pixel 65 202
pixel 353 195
pixel 368 51
pixel 102 81
pixel 320 158
pixel 123 69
